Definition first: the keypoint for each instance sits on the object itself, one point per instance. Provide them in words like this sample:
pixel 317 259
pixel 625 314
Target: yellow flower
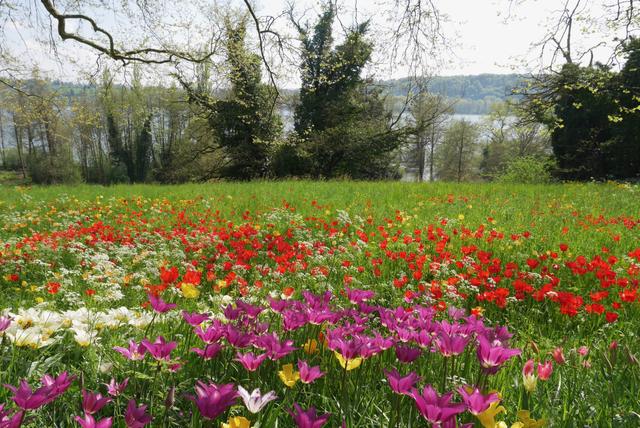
pixel 189 290
pixel 524 416
pixel 39 300
pixel 221 283
pixel 310 346
pixel 488 417
pixel 288 376
pixel 348 364
pixel 530 382
pixel 237 422
pixel 502 424
pixel 461 217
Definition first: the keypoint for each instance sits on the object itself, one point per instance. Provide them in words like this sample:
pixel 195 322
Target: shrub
pixel 527 170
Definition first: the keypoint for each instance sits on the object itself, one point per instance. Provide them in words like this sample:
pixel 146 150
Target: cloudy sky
pixel 486 36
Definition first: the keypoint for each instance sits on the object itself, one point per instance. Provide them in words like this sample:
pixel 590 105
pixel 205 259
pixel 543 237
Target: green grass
pixel 596 221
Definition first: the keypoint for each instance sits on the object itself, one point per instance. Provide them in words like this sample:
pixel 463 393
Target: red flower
pixel 168 276
pixel 53 287
pixel 611 317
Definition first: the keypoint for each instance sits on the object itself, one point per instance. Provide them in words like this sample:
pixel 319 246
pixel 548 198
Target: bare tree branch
pixel 142 55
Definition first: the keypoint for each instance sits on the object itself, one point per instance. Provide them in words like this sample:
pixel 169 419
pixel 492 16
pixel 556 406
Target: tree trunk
pixel 18 135
pixel 460 152
pixel 421 159
pixel 432 151
pixel 2 149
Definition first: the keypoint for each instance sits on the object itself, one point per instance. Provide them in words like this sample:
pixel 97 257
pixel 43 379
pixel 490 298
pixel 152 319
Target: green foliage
pixel 457 156
pixel 594 114
pixel 428 114
pixel 527 170
pixel 511 136
pixel 59 168
pixel 341 121
pixel 245 122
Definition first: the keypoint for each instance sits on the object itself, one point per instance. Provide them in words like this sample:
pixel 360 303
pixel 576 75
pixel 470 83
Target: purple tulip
pixel 136 417
pixel 160 305
pixel 237 338
pixel 277 305
pixel 209 352
pixel 358 296
pixel 407 354
pixel 475 401
pixel 212 334
pixel 250 310
pixel 134 352
pixel 308 418
pixel 492 357
pixel 5 322
pixel 250 361
pixel 58 385
pixel 401 385
pixel 273 346
pixel 114 388
pixel 92 403
pixel 194 319
pixel 231 313
pixel 9 419
pixel 308 374
pixel 348 348
pixel 212 400
pixel 89 422
pixel 456 313
pixel 436 409
pixel 450 345
pixel 160 349
pixel 26 398
pixel 293 320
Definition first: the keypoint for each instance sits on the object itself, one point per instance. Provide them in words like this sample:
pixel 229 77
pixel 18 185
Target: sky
pixel 485 36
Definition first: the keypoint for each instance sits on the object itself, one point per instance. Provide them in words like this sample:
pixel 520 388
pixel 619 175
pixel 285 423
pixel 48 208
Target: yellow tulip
pixel 310 346
pixel 524 416
pixel 190 291
pixel 237 422
pixel 289 376
pixel 488 417
pixel 530 382
pixel 351 364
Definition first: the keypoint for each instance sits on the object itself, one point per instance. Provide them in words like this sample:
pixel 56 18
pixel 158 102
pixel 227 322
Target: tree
pixel 128 123
pixel 626 159
pixel 457 155
pixel 243 122
pixel 510 136
pixel 341 120
pixel 429 113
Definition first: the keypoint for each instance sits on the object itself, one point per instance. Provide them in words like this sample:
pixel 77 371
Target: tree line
pixel 578 123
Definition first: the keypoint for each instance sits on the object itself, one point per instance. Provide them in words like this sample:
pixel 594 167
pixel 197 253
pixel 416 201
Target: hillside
pixel 475 93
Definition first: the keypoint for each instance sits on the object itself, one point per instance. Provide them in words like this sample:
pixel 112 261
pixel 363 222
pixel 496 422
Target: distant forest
pixel 474 94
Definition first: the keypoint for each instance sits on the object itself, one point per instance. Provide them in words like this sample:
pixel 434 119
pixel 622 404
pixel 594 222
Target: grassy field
pixel 353 279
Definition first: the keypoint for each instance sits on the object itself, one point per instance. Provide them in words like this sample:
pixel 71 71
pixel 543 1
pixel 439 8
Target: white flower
pixel 84 337
pixel 31 337
pixel 140 320
pixel 255 401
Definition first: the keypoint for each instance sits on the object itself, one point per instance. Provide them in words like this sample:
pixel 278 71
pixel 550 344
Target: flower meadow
pixel 337 304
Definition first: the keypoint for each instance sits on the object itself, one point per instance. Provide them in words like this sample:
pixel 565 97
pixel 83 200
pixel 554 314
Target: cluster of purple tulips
pixel 355 332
